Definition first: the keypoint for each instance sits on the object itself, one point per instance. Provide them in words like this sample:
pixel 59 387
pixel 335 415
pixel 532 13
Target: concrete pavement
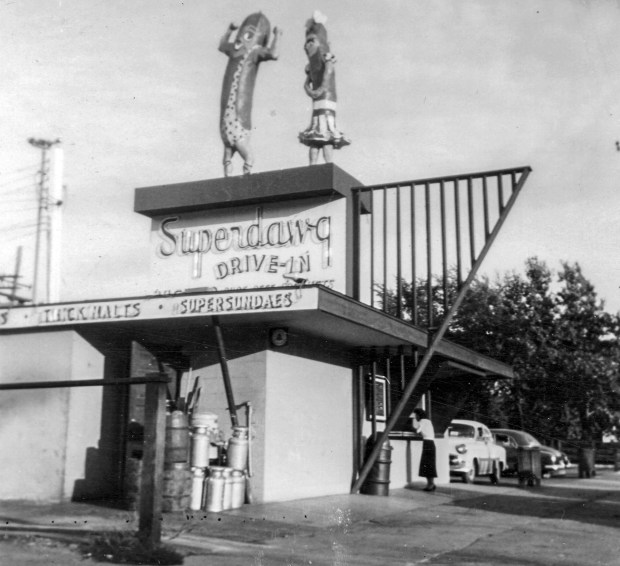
pixel 567 521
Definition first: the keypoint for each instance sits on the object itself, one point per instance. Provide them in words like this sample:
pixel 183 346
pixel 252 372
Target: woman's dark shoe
pixel 430 488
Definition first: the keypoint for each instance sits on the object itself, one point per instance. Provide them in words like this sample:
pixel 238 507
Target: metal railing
pixel 418 240
pixel 455 232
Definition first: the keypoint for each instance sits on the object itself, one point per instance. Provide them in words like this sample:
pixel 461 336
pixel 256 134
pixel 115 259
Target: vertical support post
pixel 385 251
pixel 373 384
pixel 444 247
pixel 372 248
pixel 485 197
pixel 232 408
pixel 355 264
pixel 457 232
pixel 358 416
pixel 414 274
pixel 399 275
pixel 429 251
pixel 470 222
pixel 153 463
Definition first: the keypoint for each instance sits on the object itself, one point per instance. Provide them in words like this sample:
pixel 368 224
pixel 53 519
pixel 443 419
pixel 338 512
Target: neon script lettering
pixel 258 234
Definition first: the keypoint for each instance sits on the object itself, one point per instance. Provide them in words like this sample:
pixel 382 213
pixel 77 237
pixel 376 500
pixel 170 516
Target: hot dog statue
pixel 320 85
pixel 251 46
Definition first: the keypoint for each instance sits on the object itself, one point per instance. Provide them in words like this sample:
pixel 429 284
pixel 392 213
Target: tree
pixel 553 330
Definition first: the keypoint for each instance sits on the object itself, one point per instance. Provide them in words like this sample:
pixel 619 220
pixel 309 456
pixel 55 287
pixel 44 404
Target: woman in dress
pixel 428 468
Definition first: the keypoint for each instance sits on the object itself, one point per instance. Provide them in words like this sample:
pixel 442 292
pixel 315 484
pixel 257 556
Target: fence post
pixel 153 463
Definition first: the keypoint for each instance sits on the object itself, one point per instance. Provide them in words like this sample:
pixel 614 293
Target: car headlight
pixel 553 458
pixel 461 449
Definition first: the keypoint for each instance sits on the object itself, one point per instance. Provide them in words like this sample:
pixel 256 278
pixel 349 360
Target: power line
pixel 19 236
pixel 15 227
pixel 19 170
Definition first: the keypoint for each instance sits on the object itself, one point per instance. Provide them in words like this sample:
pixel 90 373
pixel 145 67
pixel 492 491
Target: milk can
pixel 177 438
pixel 228 486
pixel 200 448
pixel 208 422
pixel 198 480
pixel 215 490
pixel 238 448
pixel 238 489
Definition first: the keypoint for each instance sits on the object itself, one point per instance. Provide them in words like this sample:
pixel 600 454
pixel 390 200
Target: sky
pixel 425 88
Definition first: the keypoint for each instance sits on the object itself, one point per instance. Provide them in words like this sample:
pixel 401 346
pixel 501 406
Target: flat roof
pixel 271 186
pixel 313 310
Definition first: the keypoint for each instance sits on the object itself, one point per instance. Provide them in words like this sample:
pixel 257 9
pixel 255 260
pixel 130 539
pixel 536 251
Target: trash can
pixel 528 465
pixel 586 462
pixel 378 480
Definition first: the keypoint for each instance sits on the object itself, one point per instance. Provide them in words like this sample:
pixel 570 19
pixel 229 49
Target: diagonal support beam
pixel 436 338
pixel 221 351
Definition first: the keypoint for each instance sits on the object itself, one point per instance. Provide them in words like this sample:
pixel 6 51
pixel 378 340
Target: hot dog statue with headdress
pixel 320 86
pixel 252 45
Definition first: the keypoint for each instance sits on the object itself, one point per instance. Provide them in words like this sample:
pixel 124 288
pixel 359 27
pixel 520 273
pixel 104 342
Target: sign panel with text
pixel 160 307
pixel 270 245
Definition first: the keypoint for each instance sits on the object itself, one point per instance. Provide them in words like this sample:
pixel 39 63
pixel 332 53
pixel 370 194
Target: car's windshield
pixel 462 431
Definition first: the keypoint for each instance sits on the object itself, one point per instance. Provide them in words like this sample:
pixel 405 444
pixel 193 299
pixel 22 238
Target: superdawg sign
pixel 249 248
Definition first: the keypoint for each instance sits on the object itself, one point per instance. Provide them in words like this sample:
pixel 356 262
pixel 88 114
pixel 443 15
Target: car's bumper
pixel 555 469
pixel 458 466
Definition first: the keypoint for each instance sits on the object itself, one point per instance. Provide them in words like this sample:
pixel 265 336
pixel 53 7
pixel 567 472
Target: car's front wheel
pixel 496 473
pixel 469 475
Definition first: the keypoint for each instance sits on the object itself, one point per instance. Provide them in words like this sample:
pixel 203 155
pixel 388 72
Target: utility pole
pixel 42 215
pixel 12 282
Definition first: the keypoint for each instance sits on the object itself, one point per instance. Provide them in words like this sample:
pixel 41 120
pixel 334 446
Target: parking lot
pixel 566 520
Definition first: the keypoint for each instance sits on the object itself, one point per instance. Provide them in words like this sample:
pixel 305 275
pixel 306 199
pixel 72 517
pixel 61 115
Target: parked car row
pixel 477 451
pixel 553 462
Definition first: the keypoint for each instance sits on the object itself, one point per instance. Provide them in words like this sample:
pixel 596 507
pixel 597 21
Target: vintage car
pixel 473 451
pixel 552 461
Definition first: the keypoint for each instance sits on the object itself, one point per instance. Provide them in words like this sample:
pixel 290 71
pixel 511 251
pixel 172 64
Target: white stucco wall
pixel 301 425
pixel 45 433
pixel 308 428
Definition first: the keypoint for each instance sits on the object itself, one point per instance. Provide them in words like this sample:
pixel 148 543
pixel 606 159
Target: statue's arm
pixel 273 51
pixel 225 43
pixel 313 93
pixel 320 90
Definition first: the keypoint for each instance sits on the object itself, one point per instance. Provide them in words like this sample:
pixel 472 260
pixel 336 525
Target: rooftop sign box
pixel 271 229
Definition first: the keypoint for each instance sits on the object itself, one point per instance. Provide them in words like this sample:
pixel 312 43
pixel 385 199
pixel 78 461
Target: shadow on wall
pixel 99 478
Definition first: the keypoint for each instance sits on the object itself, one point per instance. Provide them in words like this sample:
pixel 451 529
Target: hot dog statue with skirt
pixel 320 86
pixel 252 45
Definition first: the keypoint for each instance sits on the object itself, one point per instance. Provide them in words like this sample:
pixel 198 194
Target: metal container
pixel 206 420
pixel 529 467
pixel 228 486
pixel 238 489
pixel 176 487
pixel 200 448
pixel 378 480
pixel 197 494
pixel 215 490
pixel 177 438
pixel 237 456
pixel 586 457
